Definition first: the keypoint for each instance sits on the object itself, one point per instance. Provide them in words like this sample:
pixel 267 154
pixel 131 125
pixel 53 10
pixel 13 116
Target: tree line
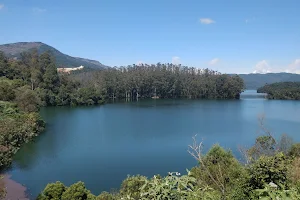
pixel 283 90
pixel 162 81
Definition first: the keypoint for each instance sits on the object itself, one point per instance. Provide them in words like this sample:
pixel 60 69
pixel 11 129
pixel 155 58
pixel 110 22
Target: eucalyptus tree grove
pixel 163 81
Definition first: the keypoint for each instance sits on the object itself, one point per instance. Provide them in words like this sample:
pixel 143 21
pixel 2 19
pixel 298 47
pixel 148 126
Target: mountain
pixel 14 50
pixel 255 81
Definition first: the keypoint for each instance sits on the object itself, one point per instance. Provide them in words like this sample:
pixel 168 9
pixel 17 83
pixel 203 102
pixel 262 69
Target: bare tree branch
pixel 195 150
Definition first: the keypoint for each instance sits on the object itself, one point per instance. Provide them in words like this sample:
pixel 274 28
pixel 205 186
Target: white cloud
pixel 38 10
pixel 262 67
pixel 294 67
pixel 1 6
pixel 214 61
pixel 176 60
pixel 206 21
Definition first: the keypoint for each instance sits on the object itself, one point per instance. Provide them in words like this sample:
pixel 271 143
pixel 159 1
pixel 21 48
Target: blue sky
pixel 240 36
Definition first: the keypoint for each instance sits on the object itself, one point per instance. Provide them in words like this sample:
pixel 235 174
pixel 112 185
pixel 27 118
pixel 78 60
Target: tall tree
pixel 3 64
pixel 50 77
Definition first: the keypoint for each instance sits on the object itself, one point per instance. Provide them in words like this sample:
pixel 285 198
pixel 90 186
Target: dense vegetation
pixel 271 171
pixel 37 75
pixel 163 81
pixel 26 85
pixel 255 81
pixel 284 90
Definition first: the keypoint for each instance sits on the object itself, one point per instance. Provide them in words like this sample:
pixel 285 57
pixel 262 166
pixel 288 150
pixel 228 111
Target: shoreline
pixel 14 190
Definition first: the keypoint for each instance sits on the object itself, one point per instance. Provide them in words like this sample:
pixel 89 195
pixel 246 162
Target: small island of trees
pixel 283 90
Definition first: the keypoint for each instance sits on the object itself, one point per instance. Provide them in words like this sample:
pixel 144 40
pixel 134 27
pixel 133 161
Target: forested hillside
pixel 15 50
pixel 255 81
pixel 284 90
pixel 26 85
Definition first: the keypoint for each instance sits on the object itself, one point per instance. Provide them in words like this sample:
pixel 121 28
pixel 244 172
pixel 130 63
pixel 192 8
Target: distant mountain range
pixel 14 50
pixel 255 81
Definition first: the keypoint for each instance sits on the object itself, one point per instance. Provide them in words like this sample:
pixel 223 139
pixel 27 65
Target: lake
pixel 101 145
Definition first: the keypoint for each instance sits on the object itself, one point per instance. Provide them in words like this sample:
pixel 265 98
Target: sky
pixel 232 36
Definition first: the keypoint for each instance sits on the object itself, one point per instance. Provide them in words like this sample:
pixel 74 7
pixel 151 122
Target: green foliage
pixel 295 150
pixel 269 169
pixel 269 193
pixel 3 64
pixel 53 191
pixel 264 145
pixel 58 191
pixel 144 81
pixel 16 128
pixel 27 100
pixel 77 191
pixel 105 196
pixel 50 76
pixel 283 90
pixel 294 173
pixel 220 170
pixel 131 186
pixel 164 81
pixel 87 96
pixel 6 91
pixel 172 186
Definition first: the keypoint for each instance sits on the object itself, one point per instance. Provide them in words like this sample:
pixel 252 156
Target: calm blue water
pixel 102 145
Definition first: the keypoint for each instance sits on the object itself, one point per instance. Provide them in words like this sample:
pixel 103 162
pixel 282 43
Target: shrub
pixel 6 92
pixel 269 192
pixel 294 173
pixel 295 150
pixel 175 187
pixel 264 145
pixel 219 170
pixel 77 191
pixel 27 100
pixel 269 169
pixel 105 196
pixel 53 191
pixel 131 186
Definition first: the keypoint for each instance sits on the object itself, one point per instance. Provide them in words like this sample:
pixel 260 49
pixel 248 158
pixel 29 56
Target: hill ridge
pixel 255 81
pixel 14 50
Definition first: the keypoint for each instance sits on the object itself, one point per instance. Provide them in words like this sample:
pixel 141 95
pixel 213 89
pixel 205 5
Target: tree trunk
pixel 32 88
